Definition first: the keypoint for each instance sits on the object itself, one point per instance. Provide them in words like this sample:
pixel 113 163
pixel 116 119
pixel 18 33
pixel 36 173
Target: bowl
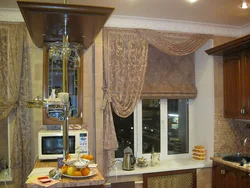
pixel 69 162
pixel 82 163
pixel 236 158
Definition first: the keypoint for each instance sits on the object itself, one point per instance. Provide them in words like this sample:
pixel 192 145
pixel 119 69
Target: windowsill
pixel 163 166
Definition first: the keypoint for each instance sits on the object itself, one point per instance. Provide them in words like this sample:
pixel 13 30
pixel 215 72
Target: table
pixel 96 181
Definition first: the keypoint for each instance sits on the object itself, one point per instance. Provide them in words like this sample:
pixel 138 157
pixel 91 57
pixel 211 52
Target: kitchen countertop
pixel 163 166
pixel 95 181
pixel 244 168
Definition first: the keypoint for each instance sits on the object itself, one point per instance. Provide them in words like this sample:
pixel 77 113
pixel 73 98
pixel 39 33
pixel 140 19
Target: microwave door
pixel 52 145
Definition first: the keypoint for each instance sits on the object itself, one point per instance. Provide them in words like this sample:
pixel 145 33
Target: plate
pixel 91 173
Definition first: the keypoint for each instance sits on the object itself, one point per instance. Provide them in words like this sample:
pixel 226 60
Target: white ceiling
pixel 222 12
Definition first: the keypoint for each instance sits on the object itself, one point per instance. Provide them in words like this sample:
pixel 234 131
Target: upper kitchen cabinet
pixel 47 22
pixel 236 68
pixel 53 82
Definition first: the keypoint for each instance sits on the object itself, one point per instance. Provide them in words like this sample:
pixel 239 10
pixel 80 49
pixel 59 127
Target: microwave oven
pixel 50 143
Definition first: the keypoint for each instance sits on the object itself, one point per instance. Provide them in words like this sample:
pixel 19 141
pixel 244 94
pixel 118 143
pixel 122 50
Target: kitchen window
pixel 159 124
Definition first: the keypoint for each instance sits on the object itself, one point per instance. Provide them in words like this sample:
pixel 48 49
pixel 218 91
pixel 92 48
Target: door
pixel 232 86
pixel 217 179
pixel 230 180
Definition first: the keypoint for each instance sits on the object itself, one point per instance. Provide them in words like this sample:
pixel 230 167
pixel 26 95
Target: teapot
pixel 128 159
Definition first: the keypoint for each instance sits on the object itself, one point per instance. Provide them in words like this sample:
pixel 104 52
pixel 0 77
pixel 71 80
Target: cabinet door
pixel 243 181
pixel 246 83
pixel 232 86
pixel 53 79
pixel 217 179
pixel 230 180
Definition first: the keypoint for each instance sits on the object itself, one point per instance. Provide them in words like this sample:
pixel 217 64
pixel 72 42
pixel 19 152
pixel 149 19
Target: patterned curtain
pixel 125 55
pixel 14 91
pixel 177 44
pixel 11 45
pixel 125 62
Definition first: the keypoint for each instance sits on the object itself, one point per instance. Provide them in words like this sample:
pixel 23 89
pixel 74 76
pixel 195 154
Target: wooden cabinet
pixel 53 79
pixel 228 177
pixel 236 69
pixel 236 55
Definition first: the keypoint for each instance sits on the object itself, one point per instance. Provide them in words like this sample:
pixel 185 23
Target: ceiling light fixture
pixel 244 5
pixel 192 1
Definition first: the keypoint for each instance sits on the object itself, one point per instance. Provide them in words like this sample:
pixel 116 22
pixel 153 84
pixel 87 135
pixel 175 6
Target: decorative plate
pixel 91 173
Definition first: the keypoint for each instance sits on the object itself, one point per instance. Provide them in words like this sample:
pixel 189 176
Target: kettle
pixel 128 159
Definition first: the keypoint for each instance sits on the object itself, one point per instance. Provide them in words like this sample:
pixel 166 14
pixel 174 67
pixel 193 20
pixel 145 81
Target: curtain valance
pixel 177 44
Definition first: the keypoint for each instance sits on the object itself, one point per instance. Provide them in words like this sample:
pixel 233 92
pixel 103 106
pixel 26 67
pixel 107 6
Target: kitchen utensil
pixel 128 159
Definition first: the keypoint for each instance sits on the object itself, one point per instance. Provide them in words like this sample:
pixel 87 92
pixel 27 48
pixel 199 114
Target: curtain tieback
pixel 107 97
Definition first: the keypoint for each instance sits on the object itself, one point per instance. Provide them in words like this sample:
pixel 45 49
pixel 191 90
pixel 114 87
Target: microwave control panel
pixel 84 142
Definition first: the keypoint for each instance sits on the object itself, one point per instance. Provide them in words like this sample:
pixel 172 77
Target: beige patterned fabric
pixel 170 77
pixel 125 64
pixel 11 43
pixel 177 44
pixel 125 61
pixel 14 85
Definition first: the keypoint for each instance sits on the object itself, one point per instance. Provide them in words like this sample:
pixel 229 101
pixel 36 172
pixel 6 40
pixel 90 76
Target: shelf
pixel 45 21
pixel 239 44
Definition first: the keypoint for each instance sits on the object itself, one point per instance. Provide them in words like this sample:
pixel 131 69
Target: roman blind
pixel 169 76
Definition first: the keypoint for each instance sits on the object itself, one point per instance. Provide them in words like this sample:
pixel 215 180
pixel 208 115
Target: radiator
pixel 171 181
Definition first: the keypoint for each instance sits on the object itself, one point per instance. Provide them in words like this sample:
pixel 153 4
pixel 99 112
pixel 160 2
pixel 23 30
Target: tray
pixel 91 173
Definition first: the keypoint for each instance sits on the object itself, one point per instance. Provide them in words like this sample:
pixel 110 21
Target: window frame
pixel 164 131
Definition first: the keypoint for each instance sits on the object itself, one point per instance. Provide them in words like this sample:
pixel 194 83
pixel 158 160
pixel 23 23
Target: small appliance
pixel 128 159
pixel 50 143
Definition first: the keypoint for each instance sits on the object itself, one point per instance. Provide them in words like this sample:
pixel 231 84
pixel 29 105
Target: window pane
pixel 151 125
pixel 177 126
pixel 124 128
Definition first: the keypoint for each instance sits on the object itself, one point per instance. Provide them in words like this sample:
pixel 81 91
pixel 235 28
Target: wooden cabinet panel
pixel 232 86
pixel 246 83
pixel 236 69
pixel 217 177
pixel 229 177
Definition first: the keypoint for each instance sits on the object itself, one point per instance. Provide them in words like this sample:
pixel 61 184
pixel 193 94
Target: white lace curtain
pixel 125 62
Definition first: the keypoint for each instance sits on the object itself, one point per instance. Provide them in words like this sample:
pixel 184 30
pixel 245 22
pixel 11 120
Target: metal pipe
pixel 65 65
pixel 65 132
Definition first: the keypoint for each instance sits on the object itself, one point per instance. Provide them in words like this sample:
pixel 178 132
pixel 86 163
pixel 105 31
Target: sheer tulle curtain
pixel 125 64
pixel 14 91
